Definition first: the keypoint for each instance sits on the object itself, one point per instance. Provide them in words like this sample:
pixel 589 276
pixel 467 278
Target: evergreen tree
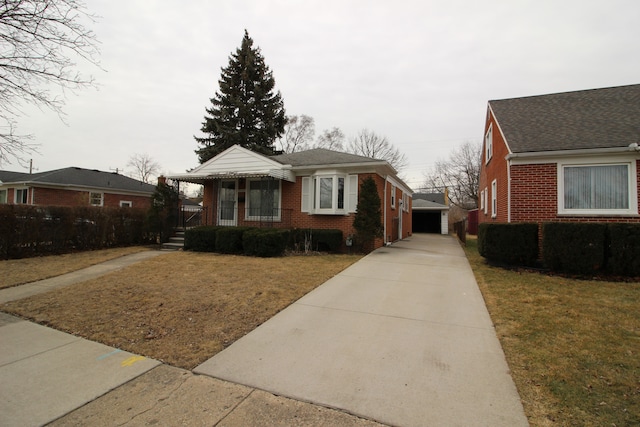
pixel 368 218
pixel 245 111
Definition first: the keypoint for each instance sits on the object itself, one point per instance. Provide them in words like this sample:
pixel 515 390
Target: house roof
pixel 427 205
pixel 78 177
pixel 239 162
pixel 586 119
pixel 431 197
pixel 321 156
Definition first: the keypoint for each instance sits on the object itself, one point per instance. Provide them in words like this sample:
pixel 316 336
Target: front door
pixel 228 202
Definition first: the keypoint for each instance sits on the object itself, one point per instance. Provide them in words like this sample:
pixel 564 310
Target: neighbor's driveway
pixel 402 337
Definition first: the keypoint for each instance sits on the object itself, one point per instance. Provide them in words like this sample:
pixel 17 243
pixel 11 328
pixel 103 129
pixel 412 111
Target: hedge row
pixel 262 242
pixel 27 231
pixel 513 244
pixel 569 247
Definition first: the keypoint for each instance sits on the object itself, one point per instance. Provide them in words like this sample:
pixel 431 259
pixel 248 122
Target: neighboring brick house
pixel 74 187
pixel 310 189
pixel 570 156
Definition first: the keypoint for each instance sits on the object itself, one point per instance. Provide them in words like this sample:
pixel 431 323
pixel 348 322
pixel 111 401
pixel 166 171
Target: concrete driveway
pixel 402 337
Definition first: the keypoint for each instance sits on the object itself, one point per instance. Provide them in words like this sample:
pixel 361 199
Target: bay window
pixel 331 194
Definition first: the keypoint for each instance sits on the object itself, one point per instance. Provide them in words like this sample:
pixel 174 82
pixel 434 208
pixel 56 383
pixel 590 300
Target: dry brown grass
pixel 183 307
pixel 20 271
pixel 573 346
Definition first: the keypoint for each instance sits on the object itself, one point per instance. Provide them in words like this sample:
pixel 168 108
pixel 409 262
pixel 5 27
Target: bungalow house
pixel 309 189
pixel 570 156
pixel 74 187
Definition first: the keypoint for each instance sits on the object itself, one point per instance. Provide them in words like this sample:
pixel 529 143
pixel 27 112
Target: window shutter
pixel 306 199
pixel 352 182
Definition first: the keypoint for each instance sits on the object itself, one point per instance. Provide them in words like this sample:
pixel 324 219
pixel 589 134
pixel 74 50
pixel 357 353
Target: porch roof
pixel 200 178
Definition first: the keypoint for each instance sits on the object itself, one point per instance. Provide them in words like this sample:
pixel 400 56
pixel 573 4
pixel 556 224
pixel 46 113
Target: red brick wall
pixel 495 169
pixel 534 196
pixel 57 197
pixel 292 201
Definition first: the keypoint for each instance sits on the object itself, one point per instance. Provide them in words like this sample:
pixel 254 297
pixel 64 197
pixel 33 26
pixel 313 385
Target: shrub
pixel 201 239
pixel 573 247
pixel 316 239
pixel 27 231
pixel 624 249
pixel 229 239
pixel 265 242
pixel 513 244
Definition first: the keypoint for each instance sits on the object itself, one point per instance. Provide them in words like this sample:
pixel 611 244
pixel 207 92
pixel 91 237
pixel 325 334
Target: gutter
pixel 580 152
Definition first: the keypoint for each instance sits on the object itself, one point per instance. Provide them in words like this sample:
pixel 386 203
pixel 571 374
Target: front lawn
pixel 183 307
pixel 573 346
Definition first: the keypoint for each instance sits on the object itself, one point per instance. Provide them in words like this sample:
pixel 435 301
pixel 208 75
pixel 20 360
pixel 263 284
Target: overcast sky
pixel 418 72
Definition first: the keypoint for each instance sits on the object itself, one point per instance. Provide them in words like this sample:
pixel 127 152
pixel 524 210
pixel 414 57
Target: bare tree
pixel 369 144
pixel 144 167
pixel 298 133
pixel 331 140
pixel 460 174
pixel 38 39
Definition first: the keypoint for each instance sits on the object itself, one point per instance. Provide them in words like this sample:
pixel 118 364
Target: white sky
pixel 418 72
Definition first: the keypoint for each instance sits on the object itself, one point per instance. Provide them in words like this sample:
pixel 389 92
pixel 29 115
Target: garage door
pixel 426 221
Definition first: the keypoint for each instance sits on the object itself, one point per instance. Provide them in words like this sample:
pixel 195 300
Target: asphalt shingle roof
pixel 586 119
pixel 320 156
pixel 74 176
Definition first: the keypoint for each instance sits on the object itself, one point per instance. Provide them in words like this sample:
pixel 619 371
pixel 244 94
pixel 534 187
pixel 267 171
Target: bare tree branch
pixel 460 174
pixel 298 133
pixel 39 41
pixel 144 167
pixel 331 140
pixel 369 144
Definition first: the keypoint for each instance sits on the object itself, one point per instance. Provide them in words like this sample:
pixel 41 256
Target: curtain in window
pixel 263 198
pixel 596 187
pixel 326 193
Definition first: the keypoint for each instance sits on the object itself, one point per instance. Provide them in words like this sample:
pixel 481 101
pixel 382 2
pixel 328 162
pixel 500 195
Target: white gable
pixel 239 162
pixel 236 159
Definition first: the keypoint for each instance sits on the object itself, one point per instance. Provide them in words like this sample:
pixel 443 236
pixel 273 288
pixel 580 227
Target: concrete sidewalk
pixel 88 273
pixel 402 337
pixel 45 374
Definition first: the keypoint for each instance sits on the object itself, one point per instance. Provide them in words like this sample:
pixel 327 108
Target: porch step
pixel 175 243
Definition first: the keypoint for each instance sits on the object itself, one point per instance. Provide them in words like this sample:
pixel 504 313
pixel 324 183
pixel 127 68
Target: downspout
pixel 384 220
pixel 509 190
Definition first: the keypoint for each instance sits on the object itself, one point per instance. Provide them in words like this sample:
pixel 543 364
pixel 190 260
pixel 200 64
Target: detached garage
pixel 430 214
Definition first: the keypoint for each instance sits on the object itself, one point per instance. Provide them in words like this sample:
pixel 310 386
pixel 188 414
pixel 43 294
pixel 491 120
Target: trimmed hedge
pixel 624 249
pixel 201 239
pixel 574 247
pixel 229 239
pixel 329 240
pixel 27 231
pixel 265 242
pixel 512 244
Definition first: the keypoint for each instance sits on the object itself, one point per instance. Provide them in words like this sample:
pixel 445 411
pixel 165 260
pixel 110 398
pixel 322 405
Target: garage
pixel 429 216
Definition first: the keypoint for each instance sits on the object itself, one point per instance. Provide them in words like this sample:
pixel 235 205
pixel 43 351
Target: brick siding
pixel 292 202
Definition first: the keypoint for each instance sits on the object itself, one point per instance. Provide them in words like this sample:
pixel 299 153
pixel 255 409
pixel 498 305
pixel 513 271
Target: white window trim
pixel 486 200
pixel 101 198
pixel 393 196
pixel 15 195
pixel 129 203
pixel 633 188
pixel 247 217
pixel 6 195
pixel 494 198
pixel 310 202
pixel 482 200
pixel 488 142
